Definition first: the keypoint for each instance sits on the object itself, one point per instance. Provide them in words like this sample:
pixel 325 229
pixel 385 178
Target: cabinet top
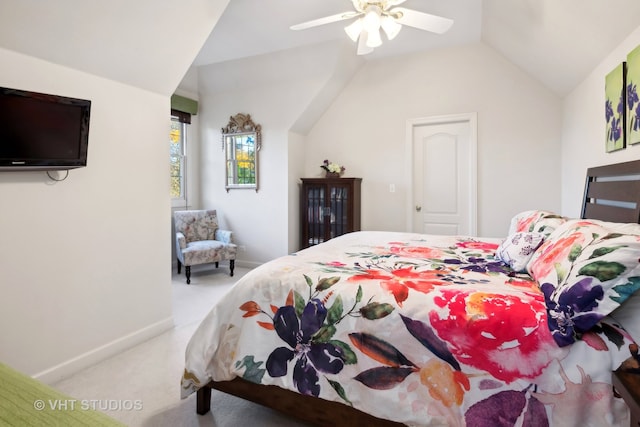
pixel 317 180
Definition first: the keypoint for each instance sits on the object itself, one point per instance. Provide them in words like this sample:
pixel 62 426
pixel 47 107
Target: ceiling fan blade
pixel 357 5
pixel 326 20
pixel 421 20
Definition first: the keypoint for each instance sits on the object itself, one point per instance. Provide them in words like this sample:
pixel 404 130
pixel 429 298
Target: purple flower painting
pixel 615 108
pixel 633 101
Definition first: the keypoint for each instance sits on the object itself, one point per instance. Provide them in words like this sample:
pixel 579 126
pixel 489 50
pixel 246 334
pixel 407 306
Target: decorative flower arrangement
pixel 332 168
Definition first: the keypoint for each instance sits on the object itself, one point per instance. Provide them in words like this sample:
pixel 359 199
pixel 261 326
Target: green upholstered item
pixel 25 401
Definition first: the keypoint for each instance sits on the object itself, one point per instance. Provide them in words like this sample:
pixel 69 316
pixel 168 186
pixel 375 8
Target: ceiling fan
pixel 375 14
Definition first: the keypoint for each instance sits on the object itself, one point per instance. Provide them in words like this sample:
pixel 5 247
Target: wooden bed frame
pixel 612 193
pixel 311 409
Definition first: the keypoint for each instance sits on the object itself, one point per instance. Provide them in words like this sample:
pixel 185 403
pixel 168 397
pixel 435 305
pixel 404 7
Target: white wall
pixel 257 219
pixel 519 125
pixel 280 91
pixel 296 152
pixel 85 262
pixel 583 130
pixel 363 127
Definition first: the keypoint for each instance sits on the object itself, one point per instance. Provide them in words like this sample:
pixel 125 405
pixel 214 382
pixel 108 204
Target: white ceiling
pixel 150 43
pixel 250 27
pixel 557 41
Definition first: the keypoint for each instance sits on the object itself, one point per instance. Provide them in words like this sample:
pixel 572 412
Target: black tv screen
pixel 42 132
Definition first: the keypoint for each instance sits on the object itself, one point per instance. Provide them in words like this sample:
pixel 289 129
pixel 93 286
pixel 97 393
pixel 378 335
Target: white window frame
pixel 181 202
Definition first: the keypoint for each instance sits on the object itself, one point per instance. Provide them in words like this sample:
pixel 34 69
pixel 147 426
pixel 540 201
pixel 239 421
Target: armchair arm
pixel 224 236
pixel 181 241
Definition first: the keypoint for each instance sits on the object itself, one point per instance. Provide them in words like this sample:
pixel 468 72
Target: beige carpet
pixel 148 375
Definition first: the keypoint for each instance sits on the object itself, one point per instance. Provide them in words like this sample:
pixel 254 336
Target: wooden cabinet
pixel 329 208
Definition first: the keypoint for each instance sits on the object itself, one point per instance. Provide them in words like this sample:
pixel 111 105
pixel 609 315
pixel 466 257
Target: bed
pixel 390 328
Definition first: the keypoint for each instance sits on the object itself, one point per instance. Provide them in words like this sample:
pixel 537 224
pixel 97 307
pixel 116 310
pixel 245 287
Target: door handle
pixel 418 208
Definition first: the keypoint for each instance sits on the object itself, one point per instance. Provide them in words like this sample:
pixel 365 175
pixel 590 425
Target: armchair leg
pixel 232 264
pixel 187 272
pixel 179 266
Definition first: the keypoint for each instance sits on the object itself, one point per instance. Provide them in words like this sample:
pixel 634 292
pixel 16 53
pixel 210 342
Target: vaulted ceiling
pixel 557 41
pixel 151 43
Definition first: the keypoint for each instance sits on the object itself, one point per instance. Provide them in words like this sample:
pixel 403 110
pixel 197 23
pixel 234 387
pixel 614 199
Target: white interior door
pixel 443 181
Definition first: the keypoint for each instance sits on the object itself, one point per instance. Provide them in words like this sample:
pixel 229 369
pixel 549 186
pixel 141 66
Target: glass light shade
pixel 354 29
pixel 374 39
pixel 371 20
pixel 390 27
pixel 363 49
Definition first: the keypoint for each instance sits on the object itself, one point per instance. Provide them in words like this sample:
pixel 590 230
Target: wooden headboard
pixel 612 193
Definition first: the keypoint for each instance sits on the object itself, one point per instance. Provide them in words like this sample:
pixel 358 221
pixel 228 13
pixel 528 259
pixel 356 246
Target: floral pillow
pixel 536 221
pixel 586 269
pixel 517 249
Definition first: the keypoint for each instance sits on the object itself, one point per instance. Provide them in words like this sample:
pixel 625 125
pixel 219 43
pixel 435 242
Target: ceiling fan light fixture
pixel 390 26
pixel 372 18
pixel 354 29
pixel 374 39
pixel 363 49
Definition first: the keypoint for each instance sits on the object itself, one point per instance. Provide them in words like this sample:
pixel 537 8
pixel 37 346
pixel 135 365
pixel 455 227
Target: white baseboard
pixel 72 366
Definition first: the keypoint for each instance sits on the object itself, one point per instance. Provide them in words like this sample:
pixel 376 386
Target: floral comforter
pixel 423 330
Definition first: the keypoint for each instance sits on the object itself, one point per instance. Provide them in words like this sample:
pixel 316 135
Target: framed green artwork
pixel 615 108
pixel 633 102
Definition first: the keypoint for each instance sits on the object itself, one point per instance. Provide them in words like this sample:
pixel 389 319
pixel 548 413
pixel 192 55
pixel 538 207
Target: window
pixel 182 109
pixel 178 165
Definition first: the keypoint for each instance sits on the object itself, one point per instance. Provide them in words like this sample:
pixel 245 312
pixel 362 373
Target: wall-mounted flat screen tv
pixel 42 132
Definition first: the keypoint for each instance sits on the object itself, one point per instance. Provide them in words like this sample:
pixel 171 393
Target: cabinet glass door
pixel 316 214
pixel 338 203
pixel 328 208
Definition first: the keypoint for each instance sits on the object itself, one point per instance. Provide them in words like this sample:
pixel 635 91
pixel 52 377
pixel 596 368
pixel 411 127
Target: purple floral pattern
pixel 311 355
pixel 518 248
pixel 614 108
pixel 632 98
pixel 423 330
pixel 594 269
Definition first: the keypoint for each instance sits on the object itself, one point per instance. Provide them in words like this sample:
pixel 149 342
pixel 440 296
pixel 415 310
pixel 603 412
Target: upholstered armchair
pixel 200 241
